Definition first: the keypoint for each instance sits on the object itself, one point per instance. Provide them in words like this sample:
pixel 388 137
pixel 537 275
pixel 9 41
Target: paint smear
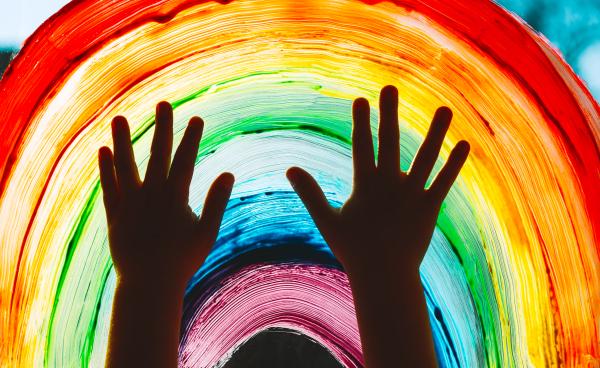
pixel 512 277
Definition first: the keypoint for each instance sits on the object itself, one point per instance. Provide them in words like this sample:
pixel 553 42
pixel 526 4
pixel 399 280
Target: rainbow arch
pixel 513 274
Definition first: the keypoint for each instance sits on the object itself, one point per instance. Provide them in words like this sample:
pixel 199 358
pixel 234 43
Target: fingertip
pixel 104 152
pixel 215 203
pixel 464 147
pixel 227 179
pixel 389 90
pixel 295 175
pixel 361 102
pixel 196 126
pixel 196 122
pixel 164 115
pixel 292 173
pixel 163 105
pixel 118 121
pixel 444 112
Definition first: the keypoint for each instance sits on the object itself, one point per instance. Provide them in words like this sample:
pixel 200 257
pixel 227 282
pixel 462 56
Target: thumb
pixel 312 196
pixel 214 207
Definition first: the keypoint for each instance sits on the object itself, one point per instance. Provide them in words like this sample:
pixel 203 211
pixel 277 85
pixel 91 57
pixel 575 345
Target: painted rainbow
pixel 513 274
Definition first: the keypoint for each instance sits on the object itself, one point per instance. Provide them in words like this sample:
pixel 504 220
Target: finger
pixel 448 174
pixel 430 149
pixel 182 169
pixel 162 144
pixel 388 159
pixel 126 169
pixel 214 206
pixel 312 196
pixel 362 141
pixel 108 178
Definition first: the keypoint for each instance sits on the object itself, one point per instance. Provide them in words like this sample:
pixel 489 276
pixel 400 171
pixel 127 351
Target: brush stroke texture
pixel 513 274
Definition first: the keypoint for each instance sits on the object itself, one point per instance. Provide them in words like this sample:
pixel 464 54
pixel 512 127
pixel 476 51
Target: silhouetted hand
pixel 156 241
pixel 382 232
pixel 153 232
pixel 389 215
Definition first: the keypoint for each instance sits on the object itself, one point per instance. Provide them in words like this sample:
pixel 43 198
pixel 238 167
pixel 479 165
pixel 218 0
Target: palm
pixel 390 214
pixel 143 230
pixel 152 230
pixel 386 219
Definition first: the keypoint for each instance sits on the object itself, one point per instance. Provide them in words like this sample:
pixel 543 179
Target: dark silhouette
pixel 156 241
pixel 380 235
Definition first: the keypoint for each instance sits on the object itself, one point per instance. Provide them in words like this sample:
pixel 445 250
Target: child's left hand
pixel 153 233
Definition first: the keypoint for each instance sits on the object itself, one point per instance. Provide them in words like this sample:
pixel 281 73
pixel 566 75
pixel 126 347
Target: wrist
pixel 151 287
pixel 379 275
pixel 382 266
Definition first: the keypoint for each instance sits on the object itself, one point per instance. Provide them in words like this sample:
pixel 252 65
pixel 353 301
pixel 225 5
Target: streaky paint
pixel 513 274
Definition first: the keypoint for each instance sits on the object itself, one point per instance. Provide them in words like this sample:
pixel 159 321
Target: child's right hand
pixel 381 234
pixel 390 216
